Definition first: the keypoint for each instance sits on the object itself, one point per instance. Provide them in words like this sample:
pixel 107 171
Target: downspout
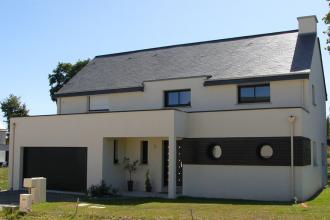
pixel 12 158
pixel 292 120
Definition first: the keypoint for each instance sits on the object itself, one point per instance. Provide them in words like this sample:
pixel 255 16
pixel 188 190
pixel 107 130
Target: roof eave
pixel 304 75
pixel 100 92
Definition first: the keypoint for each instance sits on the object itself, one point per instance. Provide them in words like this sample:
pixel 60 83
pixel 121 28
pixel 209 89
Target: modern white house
pixel 237 118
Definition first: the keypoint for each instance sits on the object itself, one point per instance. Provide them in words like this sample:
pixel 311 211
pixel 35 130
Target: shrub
pixel 99 190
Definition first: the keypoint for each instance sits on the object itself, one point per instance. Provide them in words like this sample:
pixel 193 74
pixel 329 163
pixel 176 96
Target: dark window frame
pixel 166 104
pixel 144 152
pixel 115 152
pixel 254 99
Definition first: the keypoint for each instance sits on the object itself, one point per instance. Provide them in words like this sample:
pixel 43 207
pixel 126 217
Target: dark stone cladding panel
pixel 245 151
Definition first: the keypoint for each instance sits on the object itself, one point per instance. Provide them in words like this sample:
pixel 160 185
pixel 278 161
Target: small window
pixel 115 152
pixel 98 103
pixel 254 93
pixel 177 98
pixel 315 161
pixel 266 151
pixel 313 95
pixel 144 152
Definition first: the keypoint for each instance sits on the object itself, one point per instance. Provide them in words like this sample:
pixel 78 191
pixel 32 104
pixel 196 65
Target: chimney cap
pixel 307 24
pixel 308 16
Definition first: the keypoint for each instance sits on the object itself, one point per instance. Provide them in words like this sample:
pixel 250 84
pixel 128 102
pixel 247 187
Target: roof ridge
pixel 197 43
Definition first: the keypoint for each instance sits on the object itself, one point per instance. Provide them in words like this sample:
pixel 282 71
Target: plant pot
pixel 130 185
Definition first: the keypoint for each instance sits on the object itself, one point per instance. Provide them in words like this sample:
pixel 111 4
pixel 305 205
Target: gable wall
pixel 314 126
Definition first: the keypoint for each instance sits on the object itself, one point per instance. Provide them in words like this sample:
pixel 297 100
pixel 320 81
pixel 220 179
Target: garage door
pixel 64 167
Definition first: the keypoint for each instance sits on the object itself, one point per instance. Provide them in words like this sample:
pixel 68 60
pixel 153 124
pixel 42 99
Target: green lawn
pixel 185 208
pixel 182 208
pixel 3 178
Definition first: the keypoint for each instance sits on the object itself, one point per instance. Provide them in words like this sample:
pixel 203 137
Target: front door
pixel 178 164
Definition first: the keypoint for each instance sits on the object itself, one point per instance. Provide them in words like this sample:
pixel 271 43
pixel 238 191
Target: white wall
pixel 84 131
pixel 247 123
pixel 314 125
pixel 112 173
pixel 95 132
pixel 76 104
pixel 287 93
pixel 237 182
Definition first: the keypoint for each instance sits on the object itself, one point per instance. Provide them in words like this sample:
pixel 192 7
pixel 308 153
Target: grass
pixel 181 208
pixel 184 208
pixel 3 178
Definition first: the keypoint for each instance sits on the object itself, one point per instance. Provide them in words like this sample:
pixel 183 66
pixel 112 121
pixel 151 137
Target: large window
pixel 144 152
pixel 254 93
pixel 177 98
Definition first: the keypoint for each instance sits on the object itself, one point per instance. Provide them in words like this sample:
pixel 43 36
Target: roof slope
pixel 251 56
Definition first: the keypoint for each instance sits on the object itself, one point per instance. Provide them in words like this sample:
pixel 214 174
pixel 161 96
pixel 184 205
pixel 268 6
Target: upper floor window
pixel 177 98
pixel 254 93
pixel 98 103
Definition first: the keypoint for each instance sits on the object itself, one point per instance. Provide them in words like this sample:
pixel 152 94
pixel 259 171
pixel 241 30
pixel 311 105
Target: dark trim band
pixel 256 79
pixel 246 151
pixel 165 109
pixel 100 92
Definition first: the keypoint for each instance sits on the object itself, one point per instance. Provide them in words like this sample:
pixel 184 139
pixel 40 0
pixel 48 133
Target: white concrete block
pixel 25 203
pixel 28 183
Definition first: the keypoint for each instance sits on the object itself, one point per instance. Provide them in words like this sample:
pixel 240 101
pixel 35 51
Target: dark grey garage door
pixel 64 167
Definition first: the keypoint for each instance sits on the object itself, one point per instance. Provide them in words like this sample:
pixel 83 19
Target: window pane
pixel 172 98
pixel 115 152
pixel 262 91
pixel 185 98
pixel 247 92
pixel 144 152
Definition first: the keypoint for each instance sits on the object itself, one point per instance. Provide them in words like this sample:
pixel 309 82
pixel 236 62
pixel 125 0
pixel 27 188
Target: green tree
pixel 326 20
pixel 328 127
pixel 62 74
pixel 13 107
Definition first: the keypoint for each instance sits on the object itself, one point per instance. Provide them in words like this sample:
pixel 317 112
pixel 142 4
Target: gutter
pixel 292 120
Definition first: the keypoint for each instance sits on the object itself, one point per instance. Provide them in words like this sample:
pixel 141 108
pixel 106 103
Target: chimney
pixel 307 24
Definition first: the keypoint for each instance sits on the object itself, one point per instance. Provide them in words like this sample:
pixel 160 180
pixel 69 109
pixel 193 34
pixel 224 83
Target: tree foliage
pixel 62 74
pixel 328 127
pixel 13 107
pixel 326 20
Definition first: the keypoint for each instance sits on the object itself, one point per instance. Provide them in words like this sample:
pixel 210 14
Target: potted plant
pixel 147 182
pixel 131 168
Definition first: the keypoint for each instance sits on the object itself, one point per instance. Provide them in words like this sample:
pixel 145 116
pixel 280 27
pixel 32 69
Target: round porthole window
pixel 266 151
pixel 216 152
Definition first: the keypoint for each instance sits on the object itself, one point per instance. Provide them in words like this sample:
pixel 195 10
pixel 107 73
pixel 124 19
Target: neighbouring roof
pixel 266 55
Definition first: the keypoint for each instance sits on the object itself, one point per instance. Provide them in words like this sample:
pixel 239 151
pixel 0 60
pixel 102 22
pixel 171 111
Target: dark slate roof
pixel 266 55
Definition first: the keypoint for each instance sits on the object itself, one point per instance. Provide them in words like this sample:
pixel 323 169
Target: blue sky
pixel 37 34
